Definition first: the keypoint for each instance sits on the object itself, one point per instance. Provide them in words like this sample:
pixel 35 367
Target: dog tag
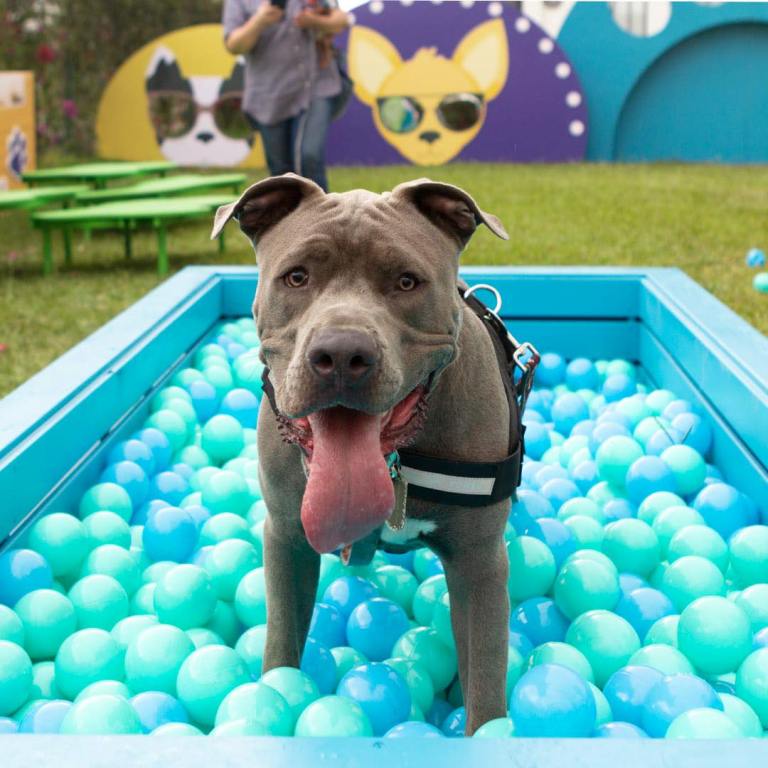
pixel 396 520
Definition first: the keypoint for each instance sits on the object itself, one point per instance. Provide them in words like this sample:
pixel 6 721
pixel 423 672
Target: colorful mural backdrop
pixel 457 80
pixel 178 98
pixel 17 127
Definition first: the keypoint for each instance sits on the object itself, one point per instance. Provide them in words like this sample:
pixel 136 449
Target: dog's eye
pixel 407 282
pixel 297 277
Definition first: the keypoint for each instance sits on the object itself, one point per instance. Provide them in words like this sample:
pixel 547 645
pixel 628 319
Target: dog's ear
pixel 263 204
pixel 449 208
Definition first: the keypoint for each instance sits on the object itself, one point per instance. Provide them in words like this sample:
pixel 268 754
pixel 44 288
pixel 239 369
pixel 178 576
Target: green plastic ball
pixel 15 677
pixel 258 703
pixel 334 716
pixel 500 728
pixel 101 715
pixel 671 520
pixel 346 658
pixel 748 549
pixel 106 528
pixel 581 507
pixel 657 502
pixel 222 438
pixel 584 584
pixel 423 561
pixel 606 640
pixel 219 377
pixel 44 681
pixel 743 715
pixel 206 677
pixel 397 584
pixel 172 426
pixel 703 723
pixel 107 497
pixel 143 601
pixel 251 598
pixel 177 729
pixel 659 399
pixel 587 532
pixel 223 526
pixel 128 629
pixel 85 657
pixel 225 623
pixel 663 631
pixel 699 540
pixel 691 577
pixel 105 688
pixel 99 601
pixel 428 593
pixel 187 413
pixel 754 602
pixel 563 654
pixel 614 458
pixel 117 562
pixel 202 636
pixel 194 456
pixel 667 659
pixel 297 688
pixel 632 545
pixel 48 618
pixel 531 568
pixel 185 597
pixel 227 563
pixel 226 491
pixel 752 683
pixel 715 634
pixel 423 645
pixel 418 680
pixel 687 466
pixel 441 621
pixel 603 492
pixel 603 712
pixel 60 538
pixel 167 395
pixel 154 572
pixel 154 657
pixel 11 627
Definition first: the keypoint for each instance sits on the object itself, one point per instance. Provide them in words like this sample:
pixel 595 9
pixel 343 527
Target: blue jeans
pixel 298 143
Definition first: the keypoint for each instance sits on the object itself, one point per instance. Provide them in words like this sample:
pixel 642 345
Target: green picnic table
pixel 98 174
pixel 172 185
pixel 126 216
pixel 29 199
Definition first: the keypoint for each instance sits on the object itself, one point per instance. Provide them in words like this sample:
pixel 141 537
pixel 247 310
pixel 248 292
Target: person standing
pixel 290 78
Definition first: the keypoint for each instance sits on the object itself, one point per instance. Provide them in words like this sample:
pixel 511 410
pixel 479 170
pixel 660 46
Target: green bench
pixel 181 184
pixel 30 199
pixel 98 174
pixel 127 216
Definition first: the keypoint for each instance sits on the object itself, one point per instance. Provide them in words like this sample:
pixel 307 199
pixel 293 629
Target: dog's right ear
pixel 265 203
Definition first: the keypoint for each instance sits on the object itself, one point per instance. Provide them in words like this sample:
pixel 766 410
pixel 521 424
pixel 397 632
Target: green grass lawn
pixel 702 219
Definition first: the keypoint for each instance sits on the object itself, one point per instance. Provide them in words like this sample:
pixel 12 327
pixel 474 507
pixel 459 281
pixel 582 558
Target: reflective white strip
pixel 472 486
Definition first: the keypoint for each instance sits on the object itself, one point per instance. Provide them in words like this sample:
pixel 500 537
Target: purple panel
pixel 539 116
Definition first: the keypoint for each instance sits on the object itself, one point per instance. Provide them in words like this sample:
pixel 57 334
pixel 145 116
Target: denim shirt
pixel 281 71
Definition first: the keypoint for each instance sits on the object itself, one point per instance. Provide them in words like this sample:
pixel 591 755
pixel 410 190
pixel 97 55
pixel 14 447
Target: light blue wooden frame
pixel 55 428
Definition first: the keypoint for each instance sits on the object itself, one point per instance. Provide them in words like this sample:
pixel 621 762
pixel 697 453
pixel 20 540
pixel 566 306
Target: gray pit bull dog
pixel 358 313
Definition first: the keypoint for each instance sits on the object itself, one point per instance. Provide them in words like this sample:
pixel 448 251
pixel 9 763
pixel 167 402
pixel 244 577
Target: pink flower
pixel 45 54
pixel 69 108
pixel 12 256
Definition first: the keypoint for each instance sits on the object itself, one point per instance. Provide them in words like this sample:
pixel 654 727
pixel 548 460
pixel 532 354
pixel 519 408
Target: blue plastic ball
pixel 581 373
pixel 568 410
pixel 618 509
pixel 438 712
pixel 158 443
pixel 540 620
pixel 556 536
pixel 675 408
pixel 647 475
pixel 629 582
pixel 136 451
pixel 141 514
pixel 662 439
pixel 550 371
pixel 559 490
pixel 21 571
pixel 375 626
pixel 627 690
pixel 170 533
pixel 318 662
pixel 156 708
pixel 585 475
pixel 130 476
pixel 45 718
pixel 328 626
pixel 531 504
pixel 642 608
pixel 413 729
pixel 617 730
pixel 381 692
pixel 605 429
pixel 243 405
pixel 673 695
pixel 755 258
pixel 552 700
pixel 617 387
pixel 8 725
pixel 455 724
pixel 520 643
pixel 696 432
pixel 168 486
pixel 722 507
pixel 205 401
pixel 549 472
pixel 537 440
pixel 347 592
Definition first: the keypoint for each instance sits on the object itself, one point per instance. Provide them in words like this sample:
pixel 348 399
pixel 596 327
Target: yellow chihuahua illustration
pixel 429 107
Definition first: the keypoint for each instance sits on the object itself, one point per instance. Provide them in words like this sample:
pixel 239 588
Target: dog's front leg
pixel 291 569
pixel 477 573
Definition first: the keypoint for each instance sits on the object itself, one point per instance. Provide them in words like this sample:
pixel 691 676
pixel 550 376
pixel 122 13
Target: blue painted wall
pixel 696 91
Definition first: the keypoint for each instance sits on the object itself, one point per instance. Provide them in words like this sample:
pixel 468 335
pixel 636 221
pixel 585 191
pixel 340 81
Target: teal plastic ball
pixel 48 618
pixel 251 598
pixel 85 657
pixel 748 549
pixel 632 545
pixel 101 715
pixel 703 723
pixel 117 562
pixel 106 528
pixel 107 497
pixel 15 677
pixel 11 628
pixel 296 687
pixel 128 629
pixel 185 597
pixel 60 538
pixel 563 654
pixel 531 568
pixel 99 601
pixel 422 644
pixel 154 657
pixel 222 438
pixel 258 703
pixel 689 578
pixel 665 658
pixel 226 491
pixel 615 456
pixel 688 467
pixel 584 585
pixel 228 562
pixel 334 716
pixel 752 683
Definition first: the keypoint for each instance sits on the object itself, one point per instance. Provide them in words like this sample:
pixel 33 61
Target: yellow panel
pixel 17 127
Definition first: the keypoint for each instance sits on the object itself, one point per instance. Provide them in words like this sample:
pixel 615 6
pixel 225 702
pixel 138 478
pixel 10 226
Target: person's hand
pixel 268 14
pixel 306 19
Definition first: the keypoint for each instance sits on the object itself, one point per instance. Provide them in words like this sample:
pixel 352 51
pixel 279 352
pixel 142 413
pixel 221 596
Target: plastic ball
pixel 85 657
pixel 226 491
pixel 243 405
pixel 185 597
pixel 752 683
pixel 128 629
pixel 607 640
pixel 691 577
pixel 703 723
pixel 531 568
pixel 551 700
pixel 106 528
pixel 47 718
pixel 618 386
pixel 748 550
pixel 755 258
pixel 103 687
pixel 158 443
pixel 537 440
pixel 156 709
pixel 228 562
pixel 318 662
pixel 168 486
pixel 170 533
pixel 154 657
pixel 647 475
pixel 334 716
pixel 101 715
pixel 251 598
pixel 423 645
pixel 297 688
pixel 551 370
pixel 664 657
pixel 222 526
pixel 581 373
pixel 348 592
pixel 222 438
pixel 15 677
pixel 397 584
pixel 99 601
pixel 114 561
pixel 374 626
pixel 760 282
pixel 619 730
pixel 258 703
pixel 722 508
pixel 754 602
pixel 539 619
pixel 643 607
pixel 567 411
pixel 688 467
pixel 627 689
pixel 672 696
pixel 60 539
pixel 11 627
pixel 106 497
pixel 632 545
pixel 558 491
pixel 22 571
pixel 584 585
pixel 131 477
pixel 412 729
pixel 614 458
pixel 48 618
pixel 454 726
pixel 563 654
pixel 699 540
pixel 743 715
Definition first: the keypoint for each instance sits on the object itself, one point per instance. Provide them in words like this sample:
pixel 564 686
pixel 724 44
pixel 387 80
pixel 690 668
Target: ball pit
pixel 638 583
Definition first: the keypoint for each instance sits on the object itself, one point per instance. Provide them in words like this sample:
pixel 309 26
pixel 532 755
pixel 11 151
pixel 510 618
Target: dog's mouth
pixel 349 489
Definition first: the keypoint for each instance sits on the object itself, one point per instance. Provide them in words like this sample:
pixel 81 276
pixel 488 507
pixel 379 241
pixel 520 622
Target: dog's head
pixel 197 120
pixel 429 125
pixel 358 312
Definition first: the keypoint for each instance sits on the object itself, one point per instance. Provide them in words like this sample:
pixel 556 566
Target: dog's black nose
pixel 205 136
pixel 429 136
pixel 344 357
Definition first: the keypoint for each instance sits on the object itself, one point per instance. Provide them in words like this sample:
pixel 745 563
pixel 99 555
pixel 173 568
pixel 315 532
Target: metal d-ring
pixel 486 287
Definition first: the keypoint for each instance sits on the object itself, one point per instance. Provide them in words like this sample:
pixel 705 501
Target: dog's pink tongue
pixel 349 491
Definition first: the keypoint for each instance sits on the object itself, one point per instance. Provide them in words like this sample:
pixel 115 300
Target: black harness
pixel 462 483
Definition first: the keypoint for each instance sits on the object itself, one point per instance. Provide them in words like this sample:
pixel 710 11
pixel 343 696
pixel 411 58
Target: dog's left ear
pixel 263 204
pixel 449 208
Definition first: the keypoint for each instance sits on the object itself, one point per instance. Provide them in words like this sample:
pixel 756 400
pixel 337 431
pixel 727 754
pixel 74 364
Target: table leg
pixel 47 251
pixel 67 236
pixel 162 251
pixel 127 239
